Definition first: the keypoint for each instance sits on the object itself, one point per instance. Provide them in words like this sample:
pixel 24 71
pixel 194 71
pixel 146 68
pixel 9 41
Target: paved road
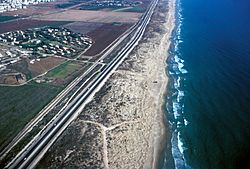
pixel 34 151
pixel 62 95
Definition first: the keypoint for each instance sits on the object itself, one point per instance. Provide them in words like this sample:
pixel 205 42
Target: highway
pixel 63 94
pixel 34 151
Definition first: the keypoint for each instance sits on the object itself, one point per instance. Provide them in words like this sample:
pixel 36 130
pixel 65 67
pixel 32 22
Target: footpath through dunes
pixel 123 126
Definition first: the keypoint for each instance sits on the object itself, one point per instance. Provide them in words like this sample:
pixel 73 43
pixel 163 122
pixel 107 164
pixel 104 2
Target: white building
pixel 10 5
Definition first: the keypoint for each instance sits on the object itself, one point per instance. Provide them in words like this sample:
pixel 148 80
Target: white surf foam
pixel 186 122
pixel 180 65
pixel 176 110
pixel 180 95
pixel 180 143
pixel 177 71
pixel 177 83
pixel 177 155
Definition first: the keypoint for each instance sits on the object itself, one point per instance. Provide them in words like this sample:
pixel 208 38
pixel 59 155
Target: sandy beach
pixel 123 126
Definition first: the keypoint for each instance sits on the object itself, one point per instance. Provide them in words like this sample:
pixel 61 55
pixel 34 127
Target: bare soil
pixel 11 79
pixel 26 24
pixel 92 16
pixel 43 65
pixel 103 36
pixel 83 27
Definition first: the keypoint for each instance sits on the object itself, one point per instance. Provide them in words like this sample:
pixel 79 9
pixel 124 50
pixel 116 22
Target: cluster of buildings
pixel 115 3
pixel 40 43
pixel 11 5
pixel 10 55
pixel 45 42
pixel 65 43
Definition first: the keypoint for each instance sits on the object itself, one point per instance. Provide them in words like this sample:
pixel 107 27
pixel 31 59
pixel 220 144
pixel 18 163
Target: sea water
pixel 208 101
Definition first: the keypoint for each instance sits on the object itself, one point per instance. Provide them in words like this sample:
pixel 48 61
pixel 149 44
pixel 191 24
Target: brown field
pixel 26 24
pixel 104 36
pixel 83 27
pixel 92 16
pixel 11 79
pixel 45 64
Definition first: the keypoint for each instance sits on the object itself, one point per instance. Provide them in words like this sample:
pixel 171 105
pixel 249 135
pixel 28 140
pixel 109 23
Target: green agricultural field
pixel 133 9
pixel 7 18
pixel 64 70
pixel 19 105
pixel 137 9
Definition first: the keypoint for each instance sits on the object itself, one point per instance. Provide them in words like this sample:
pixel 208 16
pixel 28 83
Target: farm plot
pixel 83 27
pixel 92 16
pixel 26 24
pixel 19 105
pixel 104 36
pixel 64 73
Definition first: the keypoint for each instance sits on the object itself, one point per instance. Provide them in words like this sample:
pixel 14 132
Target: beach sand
pixel 123 126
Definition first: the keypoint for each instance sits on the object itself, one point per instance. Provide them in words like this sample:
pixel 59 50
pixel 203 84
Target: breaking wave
pixel 174 104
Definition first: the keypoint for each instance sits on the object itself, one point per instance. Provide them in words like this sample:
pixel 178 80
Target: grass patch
pixel 96 8
pixel 134 9
pixel 19 105
pixel 7 18
pixel 117 23
pixel 63 70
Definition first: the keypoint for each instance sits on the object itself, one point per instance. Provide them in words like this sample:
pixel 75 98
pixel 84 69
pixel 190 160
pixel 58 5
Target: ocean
pixel 208 100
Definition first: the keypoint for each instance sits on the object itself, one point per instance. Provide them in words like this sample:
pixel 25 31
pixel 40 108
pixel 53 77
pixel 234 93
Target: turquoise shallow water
pixel 208 101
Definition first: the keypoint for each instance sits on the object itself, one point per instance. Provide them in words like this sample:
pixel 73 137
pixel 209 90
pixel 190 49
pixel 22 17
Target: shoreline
pixel 124 125
pixel 164 48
